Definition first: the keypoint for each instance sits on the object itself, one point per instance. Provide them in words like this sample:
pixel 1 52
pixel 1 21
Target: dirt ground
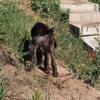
pixel 21 85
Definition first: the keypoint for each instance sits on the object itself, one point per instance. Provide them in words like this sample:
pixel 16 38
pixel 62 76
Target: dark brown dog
pixel 43 40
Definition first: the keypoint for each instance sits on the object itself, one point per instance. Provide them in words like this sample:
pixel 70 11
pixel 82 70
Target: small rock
pixel 9 93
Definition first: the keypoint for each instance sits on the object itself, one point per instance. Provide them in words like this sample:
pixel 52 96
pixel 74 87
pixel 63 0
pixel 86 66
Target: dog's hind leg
pixel 53 61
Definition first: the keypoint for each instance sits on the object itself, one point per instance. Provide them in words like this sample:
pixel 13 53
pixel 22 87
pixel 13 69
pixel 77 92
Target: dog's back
pixel 39 29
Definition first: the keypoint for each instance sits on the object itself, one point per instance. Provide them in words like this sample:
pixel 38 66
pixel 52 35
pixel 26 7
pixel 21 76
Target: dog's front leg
pixel 33 55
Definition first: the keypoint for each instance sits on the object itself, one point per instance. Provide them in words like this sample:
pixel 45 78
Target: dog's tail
pixel 55 43
pixel 51 32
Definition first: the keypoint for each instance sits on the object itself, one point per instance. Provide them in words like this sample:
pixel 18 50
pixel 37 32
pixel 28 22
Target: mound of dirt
pixel 22 85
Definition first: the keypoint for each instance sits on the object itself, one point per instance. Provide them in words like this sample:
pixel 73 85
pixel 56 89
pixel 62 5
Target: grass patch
pixel 37 95
pixel 3 84
pixel 50 9
pixel 14 26
pixel 71 50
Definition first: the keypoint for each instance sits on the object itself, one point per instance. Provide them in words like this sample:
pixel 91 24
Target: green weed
pixel 3 84
pixel 37 95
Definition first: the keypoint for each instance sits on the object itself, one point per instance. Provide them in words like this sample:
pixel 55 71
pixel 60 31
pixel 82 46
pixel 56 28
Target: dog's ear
pixel 51 31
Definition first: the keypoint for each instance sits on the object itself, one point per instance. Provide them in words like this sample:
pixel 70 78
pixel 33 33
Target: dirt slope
pixel 22 84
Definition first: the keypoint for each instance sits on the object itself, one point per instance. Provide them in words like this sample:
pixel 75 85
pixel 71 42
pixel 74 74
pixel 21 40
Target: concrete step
pixel 73 1
pixel 92 41
pixel 80 7
pixel 89 33
pixel 84 18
